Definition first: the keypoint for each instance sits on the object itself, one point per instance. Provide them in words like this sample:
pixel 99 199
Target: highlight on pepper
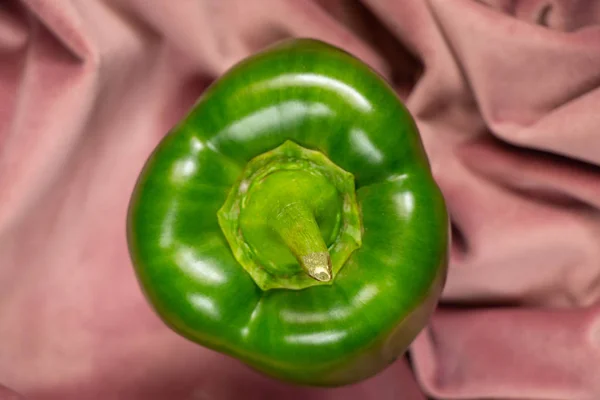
pixel 291 219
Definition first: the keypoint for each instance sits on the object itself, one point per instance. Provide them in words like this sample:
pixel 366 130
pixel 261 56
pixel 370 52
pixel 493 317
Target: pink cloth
pixel 507 97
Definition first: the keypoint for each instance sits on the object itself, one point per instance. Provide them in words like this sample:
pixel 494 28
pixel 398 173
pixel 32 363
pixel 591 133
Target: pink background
pixel 507 97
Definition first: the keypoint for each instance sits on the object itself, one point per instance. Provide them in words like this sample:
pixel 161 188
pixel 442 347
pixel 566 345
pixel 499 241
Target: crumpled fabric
pixel 506 95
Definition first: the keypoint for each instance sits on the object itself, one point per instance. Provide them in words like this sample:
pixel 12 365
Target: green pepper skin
pixel 321 98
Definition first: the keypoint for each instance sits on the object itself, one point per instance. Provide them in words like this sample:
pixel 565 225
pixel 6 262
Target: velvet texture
pixel 505 93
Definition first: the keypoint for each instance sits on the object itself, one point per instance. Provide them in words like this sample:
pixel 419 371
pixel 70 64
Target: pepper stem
pixel 298 229
pixel 292 218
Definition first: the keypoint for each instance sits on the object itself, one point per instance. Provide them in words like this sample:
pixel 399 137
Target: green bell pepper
pixel 291 219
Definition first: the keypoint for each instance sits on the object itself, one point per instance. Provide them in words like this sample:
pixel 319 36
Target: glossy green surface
pixel 324 99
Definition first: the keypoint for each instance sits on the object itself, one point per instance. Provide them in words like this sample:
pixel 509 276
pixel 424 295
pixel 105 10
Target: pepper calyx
pixel 292 219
